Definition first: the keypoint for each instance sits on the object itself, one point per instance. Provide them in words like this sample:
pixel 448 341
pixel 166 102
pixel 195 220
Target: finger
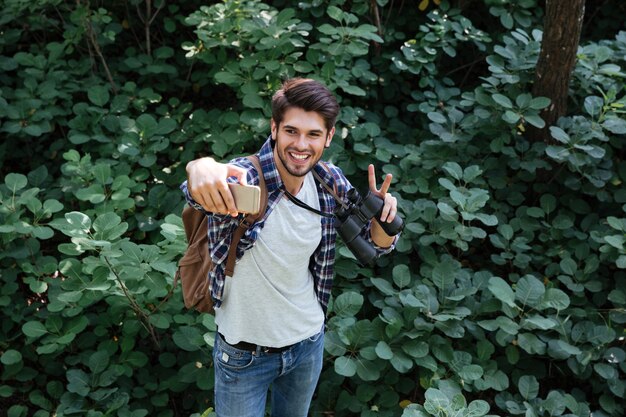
pixel 391 215
pixel 240 173
pixel 393 209
pixel 388 213
pixel 384 213
pixel 229 200
pixel 205 200
pixel 371 177
pixel 386 183
pixel 196 195
pixel 218 201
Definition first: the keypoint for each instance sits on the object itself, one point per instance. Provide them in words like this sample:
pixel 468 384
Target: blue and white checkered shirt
pixel 221 227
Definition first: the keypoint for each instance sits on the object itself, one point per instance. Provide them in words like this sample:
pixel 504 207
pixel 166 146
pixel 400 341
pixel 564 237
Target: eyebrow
pixel 310 131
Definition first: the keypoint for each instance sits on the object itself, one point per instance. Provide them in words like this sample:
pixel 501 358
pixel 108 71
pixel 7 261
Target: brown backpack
pixel 194 266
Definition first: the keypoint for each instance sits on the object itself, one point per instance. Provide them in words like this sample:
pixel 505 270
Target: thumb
pixel 239 173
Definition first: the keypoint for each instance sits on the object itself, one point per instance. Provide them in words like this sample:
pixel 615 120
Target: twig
pixel 96 46
pixel 374 7
pixel 144 320
pixel 147 20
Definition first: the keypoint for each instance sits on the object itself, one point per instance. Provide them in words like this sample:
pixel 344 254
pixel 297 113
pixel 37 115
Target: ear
pixel 273 128
pixel 329 138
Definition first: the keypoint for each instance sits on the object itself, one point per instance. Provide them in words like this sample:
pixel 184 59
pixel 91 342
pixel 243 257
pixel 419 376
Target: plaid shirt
pixel 221 227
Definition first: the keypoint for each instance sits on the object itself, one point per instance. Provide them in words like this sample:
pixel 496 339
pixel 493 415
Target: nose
pixel 301 141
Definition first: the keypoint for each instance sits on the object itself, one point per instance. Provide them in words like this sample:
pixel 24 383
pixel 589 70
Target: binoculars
pixel 353 217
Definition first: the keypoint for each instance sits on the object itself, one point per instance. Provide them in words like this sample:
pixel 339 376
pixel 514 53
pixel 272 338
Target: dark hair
pixel 307 94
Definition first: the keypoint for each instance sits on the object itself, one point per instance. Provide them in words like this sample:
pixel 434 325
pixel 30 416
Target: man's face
pixel 300 141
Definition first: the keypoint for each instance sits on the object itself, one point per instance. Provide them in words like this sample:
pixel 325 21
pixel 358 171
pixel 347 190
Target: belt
pixel 251 347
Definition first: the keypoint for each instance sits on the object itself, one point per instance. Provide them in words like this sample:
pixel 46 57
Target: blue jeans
pixel 243 378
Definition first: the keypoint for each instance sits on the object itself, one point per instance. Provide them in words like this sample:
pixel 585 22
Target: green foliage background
pixel 506 294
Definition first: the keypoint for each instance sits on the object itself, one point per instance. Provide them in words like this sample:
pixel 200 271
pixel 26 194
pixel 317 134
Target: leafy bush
pixel 506 294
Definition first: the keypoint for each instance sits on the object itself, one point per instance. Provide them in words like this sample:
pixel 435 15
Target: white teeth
pixel 302 157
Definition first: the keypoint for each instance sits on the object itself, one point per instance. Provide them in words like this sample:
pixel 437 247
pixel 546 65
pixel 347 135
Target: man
pixel 270 313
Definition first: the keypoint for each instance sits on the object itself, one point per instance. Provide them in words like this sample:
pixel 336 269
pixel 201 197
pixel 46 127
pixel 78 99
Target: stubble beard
pixel 296 171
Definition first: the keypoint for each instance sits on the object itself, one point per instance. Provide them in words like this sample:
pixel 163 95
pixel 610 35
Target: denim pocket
pixel 230 357
pixel 315 337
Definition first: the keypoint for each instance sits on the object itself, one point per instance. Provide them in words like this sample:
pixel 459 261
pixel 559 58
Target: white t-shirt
pixel 270 300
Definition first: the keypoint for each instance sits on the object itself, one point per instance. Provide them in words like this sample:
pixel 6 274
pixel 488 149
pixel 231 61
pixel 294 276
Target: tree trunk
pixel 561 34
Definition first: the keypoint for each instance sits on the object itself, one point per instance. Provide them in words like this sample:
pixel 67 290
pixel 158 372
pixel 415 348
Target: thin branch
pixel 374 7
pixel 144 320
pixel 94 41
pixel 147 26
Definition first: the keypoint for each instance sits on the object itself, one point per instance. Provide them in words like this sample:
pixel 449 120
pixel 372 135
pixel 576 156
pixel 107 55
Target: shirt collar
pixel 270 171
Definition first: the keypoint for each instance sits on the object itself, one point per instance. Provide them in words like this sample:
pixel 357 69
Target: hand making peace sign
pixel 390 208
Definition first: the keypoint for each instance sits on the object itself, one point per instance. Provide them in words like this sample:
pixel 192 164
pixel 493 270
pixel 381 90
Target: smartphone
pixel 247 197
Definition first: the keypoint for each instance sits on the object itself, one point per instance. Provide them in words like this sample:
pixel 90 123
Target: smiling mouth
pixel 299 156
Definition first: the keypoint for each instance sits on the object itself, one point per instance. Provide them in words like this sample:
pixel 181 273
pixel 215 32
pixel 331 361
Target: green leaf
pixel 335 13
pixel 504 101
pixel 415 348
pixel 101 173
pixel 348 304
pixel 15 181
pixel 562 222
pixel 559 134
pixel 17 411
pixel 383 350
pixel 345 366
pixel 502 291
pixel 560 349
pixel 401 362
pixel 6 391
pixel 535 120
pixel 401 275
pixel 354 90
pixel 444 275
pixel 98 95
pixel 538 322
pixel 471 173
pixel 98 361
pixel 617 224
pixel 437 117
pixel 617 241
pixel 11 357
pixel 477 408
pixel 593 105
pixel 52 206
pixel 471 372
pixel 253 101
pixel 528 387
pixel 548 203
pixel 34 329
pixel 78 382
pixel 529 290
pixel 453 169
pixel 605 370
pixel 539 103
pixel 437 399
pixel 568 266
pixel 78 221
pixel 383 285
pixel 227 78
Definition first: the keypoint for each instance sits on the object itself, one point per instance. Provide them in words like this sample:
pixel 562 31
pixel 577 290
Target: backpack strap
pixel 333 191
pixel 248 220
